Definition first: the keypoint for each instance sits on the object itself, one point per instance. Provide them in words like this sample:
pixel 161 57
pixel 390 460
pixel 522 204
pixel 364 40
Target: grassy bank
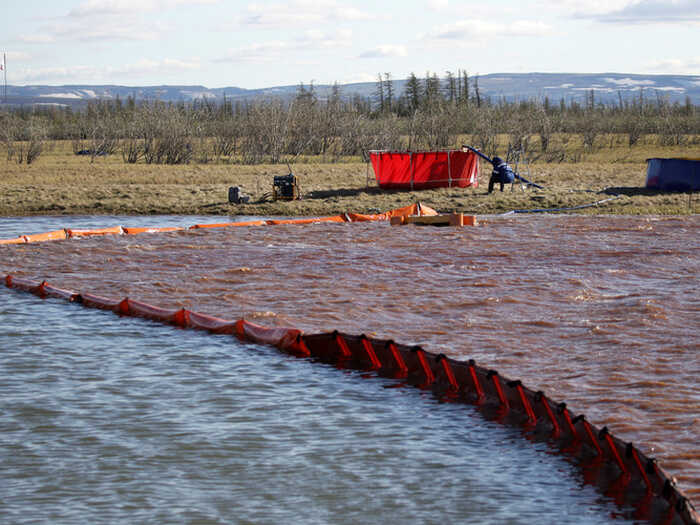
pixel 60 182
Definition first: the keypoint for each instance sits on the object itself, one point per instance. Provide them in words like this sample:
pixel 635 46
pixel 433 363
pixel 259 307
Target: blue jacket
pixel 503 173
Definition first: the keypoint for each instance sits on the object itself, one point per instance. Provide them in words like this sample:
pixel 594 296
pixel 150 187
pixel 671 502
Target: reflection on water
pixel 602 312
pixel 109 420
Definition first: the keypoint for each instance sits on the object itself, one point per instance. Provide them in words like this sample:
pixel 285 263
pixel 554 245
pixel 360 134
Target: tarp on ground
pixel 673 174
pixel 421 170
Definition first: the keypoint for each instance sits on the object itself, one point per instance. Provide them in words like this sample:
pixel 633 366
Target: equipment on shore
pixel 286 187
pixel 236 195
pixel 515 173
pixel 675 174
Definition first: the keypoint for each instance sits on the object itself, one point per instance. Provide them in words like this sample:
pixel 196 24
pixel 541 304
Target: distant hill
pixel 607 87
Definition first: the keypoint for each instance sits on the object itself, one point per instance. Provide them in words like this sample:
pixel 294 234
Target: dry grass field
pixel 60 182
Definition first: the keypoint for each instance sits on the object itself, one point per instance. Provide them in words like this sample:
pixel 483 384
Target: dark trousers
pixel 493 180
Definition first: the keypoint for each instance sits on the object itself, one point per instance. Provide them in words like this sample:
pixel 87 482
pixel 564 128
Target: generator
pixel 286 188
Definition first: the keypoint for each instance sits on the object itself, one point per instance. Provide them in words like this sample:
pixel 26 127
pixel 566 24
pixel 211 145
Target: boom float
pixel 413 210
pixel 616 468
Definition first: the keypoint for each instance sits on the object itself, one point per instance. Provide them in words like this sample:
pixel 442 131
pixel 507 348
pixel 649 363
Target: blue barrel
pixel 673 174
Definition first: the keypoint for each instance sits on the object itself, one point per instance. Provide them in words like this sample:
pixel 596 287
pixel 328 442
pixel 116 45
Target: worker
pixel 502 173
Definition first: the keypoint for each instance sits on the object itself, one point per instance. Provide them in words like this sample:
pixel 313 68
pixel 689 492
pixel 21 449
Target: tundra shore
pixel 61 183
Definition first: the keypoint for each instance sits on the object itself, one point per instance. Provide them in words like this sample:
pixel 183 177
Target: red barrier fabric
pixel 102 303
pixel 614 466
pixel 280 337
pixel 148 311
pixel 52 291
pixel 421 170
pixel 42 289
pixel 211 324
pixel 22 284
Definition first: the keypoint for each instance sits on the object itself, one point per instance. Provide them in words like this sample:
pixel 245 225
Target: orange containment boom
pixel 608 463
pixel 136 231
pixel 16 240
pixel 114 230
pixel 413 210
pixel 56 235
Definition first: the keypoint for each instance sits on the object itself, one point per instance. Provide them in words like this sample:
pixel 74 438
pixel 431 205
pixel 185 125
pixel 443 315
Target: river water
pixel 111 418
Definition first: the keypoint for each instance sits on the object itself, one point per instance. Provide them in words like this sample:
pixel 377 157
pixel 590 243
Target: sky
pixel 239 43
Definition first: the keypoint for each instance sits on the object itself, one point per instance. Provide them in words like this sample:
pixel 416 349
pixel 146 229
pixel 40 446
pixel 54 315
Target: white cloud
pixel 648 12
pixel 350 14
pixel 109 31
pixel 36 38
pixel 13 56
pixel 677 66
pixel 582 9
pixel 96 74
pixel 278 50
pixel 127 27
pixel 480 29
pixel 301 13
pixel 96 8
pixel 92 8
pixel 52 74
pixel 181 65
pixel 317 39
pixel 261 52
pixel 385 51
pixel 438 5
pixel 108 20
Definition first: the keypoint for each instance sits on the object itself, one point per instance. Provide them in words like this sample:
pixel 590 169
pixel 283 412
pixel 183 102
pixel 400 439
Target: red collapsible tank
pixel 421 170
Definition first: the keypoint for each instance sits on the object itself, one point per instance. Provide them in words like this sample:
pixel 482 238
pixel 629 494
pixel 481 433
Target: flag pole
pixel 4 70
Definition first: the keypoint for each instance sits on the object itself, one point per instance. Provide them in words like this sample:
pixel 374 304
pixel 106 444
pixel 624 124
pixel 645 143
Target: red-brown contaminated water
pixel 600 312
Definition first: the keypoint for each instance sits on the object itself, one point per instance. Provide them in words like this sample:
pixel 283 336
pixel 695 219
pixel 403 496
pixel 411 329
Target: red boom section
pixel 421 170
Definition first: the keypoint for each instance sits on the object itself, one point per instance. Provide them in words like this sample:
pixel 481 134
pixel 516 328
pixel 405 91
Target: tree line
pixel 429 113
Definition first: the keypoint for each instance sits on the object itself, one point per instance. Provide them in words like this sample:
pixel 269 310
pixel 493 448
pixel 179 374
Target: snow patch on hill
pixel 73 96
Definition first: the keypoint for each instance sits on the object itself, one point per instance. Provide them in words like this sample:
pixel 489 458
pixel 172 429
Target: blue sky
pixel 249 44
